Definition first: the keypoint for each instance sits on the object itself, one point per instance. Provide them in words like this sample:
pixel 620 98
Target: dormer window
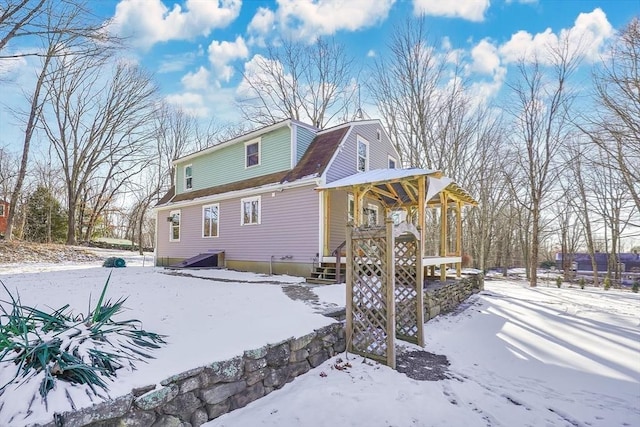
pixel 363 155
pixel 188 177
pixel 252 153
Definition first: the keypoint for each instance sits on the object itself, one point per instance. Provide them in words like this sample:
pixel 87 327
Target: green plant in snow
pixel 80 349
pixel 582 283
pixel 559 281
pixel 635 286
pixel 607 283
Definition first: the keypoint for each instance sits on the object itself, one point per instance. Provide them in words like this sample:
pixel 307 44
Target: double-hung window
pixel 188 177
pixel 252 153
pixel 210 220
pixel 174 226
pixel 371 215
pixel 363 155
pixel 250 211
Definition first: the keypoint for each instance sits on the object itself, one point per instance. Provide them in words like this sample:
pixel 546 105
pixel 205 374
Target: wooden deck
pixel 426 262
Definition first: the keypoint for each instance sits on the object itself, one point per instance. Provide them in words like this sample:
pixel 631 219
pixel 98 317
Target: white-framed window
pixel 392 163
pixel 1 209
pixel 351 207
pixel 251 210
pixel 210 220
pixel 174 226
pixel 188 177
pixel 371 215
pixel 362 154
pixel 252 153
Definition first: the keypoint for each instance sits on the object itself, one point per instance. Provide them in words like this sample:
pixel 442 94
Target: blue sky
pixel 197 49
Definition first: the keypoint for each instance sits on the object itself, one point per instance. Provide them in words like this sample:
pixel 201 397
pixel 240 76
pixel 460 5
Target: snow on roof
pixel 377 175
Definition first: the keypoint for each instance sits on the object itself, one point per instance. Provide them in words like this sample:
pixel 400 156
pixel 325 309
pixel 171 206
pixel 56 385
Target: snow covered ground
pixel 519 356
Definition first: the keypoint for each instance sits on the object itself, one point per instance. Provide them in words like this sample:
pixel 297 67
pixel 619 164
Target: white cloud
pixel 485 57
pixel 308 19
pixel 150 21
pixel 371 53
pixel 587 36
pixel 222 53
pixel 191 103
pixel 262 23
pixel 197 80
pixel 472 10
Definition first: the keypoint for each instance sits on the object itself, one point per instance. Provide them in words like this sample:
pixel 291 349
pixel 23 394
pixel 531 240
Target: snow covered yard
pixel 519 357
pixel 204 320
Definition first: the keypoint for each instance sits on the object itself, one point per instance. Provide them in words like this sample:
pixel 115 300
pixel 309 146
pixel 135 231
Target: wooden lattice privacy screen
pixel 383 273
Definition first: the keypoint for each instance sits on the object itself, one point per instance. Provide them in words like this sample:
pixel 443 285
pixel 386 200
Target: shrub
pixel 607 283
pixel 582 283
pixel 635 286
pixel 559 281
pixel 75 348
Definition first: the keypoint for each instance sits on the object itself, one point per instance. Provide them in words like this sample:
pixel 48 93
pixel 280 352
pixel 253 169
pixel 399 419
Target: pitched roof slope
pixel 318 154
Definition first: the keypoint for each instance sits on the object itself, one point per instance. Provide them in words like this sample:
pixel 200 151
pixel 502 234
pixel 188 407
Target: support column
pixel 326 202
pixel 459 237
pixel 443 233
pixel 349 288
pixel 391 295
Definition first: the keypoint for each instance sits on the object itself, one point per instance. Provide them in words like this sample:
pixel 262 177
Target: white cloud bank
pixel 222 53
pixel 309 19
pixel 471 10
pixel 150 21
pixel 587 37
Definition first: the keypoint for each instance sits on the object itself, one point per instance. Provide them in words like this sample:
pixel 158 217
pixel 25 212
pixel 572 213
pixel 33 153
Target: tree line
pixel 555 165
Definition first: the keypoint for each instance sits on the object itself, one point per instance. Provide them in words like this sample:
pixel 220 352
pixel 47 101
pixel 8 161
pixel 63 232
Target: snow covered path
pixel 519 357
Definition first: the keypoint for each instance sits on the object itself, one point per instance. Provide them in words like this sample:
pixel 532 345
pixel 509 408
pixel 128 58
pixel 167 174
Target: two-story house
pixel 256 196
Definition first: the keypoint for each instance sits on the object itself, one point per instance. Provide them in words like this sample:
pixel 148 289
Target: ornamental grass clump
pixel 63 346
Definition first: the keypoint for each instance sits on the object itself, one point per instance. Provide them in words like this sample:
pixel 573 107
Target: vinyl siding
pixel 289 226
pixel 305 136
pixel 344 164
pixel 338 216
pixel 227 164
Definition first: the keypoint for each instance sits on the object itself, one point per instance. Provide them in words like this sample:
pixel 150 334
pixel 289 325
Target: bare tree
pixel 20 18
pixel 7 172
pixel 65 28
pixel 541 121
pixel 298 81
pixel 616 126
pixel 174 135
pixel 99 130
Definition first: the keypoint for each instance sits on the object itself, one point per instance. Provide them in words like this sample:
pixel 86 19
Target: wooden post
pixel 420 292
pixel 326 199
pixel 357 207
pixel 349 289
pixel 391 296
pixel 459 237
pixel 443 233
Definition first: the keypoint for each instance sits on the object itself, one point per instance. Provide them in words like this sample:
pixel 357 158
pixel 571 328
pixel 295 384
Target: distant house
pixel 4 213
pixel 256 197
pixel 627 262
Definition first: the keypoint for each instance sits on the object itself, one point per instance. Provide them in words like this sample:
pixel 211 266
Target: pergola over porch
pixel 412 191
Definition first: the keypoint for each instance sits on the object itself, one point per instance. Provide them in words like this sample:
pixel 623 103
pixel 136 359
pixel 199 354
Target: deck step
pixel 325 274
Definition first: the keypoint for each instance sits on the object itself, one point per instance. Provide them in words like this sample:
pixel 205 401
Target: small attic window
pixel 252 153
pixel 378 134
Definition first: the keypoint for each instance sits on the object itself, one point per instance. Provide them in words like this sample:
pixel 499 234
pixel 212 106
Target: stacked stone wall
pixel 194 397
pixel 440 298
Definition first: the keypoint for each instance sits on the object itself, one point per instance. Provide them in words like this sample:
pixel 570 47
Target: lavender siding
pixel 304 138
pixel 289 227
pixel 344 164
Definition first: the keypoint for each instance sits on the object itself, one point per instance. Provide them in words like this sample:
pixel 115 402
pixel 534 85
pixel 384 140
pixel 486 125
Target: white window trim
pixel 171 214
pixel 395 162
pixel 366 163
pixel 251 199
pixel 349 200
pixel 251 142
pixel 211 205
pixel 184 173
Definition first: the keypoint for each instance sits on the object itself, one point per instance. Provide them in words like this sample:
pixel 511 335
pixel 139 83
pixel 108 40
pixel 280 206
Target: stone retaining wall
pixel 194 397
pixel 442 298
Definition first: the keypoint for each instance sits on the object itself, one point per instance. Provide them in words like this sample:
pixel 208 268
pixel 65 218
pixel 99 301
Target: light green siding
pixel 227 164
pixel 304 138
